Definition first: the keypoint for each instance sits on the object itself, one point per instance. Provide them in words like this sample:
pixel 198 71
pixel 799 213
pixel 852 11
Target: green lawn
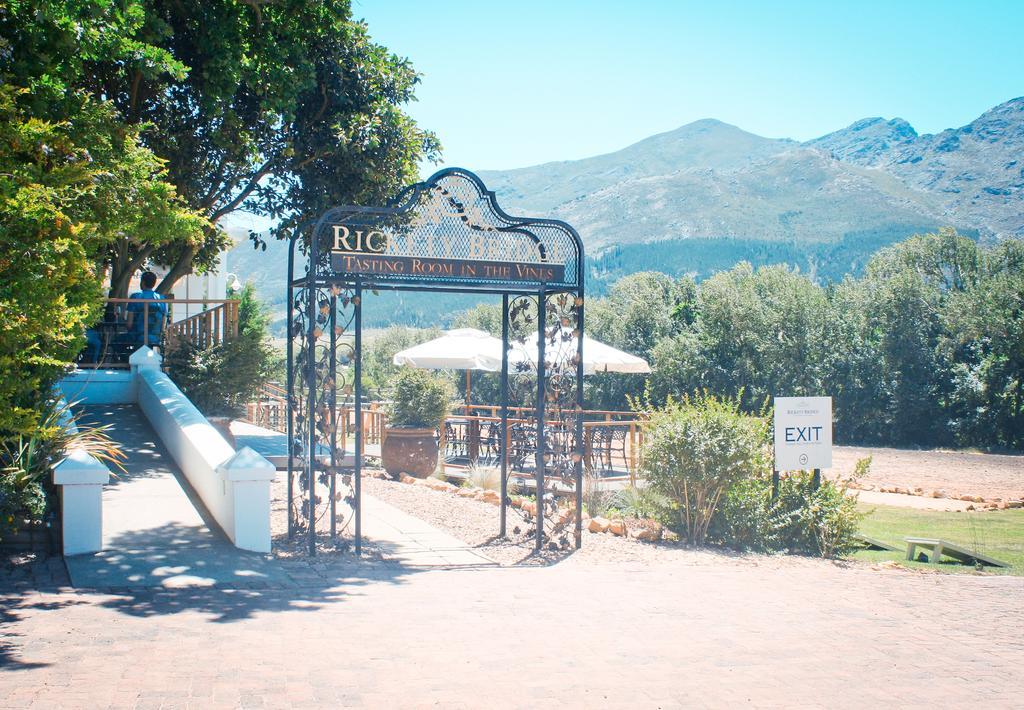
pixel 998 534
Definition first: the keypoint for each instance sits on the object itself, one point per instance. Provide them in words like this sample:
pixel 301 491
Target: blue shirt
pixel 157 316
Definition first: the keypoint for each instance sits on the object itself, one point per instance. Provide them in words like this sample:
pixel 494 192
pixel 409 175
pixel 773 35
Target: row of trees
pixel 129 129
pixel 926 348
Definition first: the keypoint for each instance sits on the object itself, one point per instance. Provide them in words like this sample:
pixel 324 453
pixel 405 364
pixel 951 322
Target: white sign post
pixel 803 433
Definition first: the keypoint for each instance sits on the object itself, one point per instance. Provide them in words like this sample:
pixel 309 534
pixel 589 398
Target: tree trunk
pixel 181 268
pixel 123 266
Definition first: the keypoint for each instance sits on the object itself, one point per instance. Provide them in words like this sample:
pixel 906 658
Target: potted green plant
pixel 419 402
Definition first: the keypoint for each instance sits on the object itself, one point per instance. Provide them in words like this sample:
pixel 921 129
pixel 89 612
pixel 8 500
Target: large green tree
pixel 74 178
pixel 984 341
pixel 759 332
pixel 639 311
pixel 281 109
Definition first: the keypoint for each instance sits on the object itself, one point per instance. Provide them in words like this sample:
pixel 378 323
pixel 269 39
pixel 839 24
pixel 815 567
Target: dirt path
pixel 953 473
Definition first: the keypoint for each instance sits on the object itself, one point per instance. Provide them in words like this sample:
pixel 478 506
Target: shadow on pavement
pixel 310 590
pixel 10 641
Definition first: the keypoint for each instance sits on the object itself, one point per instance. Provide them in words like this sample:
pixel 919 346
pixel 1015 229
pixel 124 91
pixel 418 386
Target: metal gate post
pixel 541 429
pixel 357 301
pixel 504 416
pixel 290 377
pixel 332 416
pixel 580 444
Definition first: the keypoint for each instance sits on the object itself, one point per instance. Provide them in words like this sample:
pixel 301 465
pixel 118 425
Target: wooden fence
pixel 612 439
pixel 215 324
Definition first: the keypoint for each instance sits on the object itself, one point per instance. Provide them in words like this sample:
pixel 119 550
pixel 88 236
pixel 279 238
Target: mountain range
pixel 707 195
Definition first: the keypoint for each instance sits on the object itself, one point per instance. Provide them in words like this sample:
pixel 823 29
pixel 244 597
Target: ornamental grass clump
pixel 695 450
pixel 27 462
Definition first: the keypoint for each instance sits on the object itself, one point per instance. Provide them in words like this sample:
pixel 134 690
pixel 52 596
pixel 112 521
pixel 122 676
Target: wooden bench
pixel 937 548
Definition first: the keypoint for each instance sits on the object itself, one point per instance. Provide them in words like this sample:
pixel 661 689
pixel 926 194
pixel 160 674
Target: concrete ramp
pixel 156 532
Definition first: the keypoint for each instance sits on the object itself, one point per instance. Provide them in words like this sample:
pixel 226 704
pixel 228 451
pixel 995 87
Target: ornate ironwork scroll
pixel 320 355
pixel 544 347
pixel 445 234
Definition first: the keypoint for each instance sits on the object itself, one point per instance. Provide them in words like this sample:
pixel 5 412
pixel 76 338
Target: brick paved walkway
pixel 577 634
pixel 763 632
pixel 157 533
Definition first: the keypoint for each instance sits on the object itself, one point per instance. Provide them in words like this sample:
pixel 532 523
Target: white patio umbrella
pixel 470 349
pixel 597 357
pixel 460 349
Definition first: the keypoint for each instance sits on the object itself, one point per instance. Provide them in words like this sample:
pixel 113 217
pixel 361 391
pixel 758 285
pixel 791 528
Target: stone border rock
pixel 983 503
pixel 646 530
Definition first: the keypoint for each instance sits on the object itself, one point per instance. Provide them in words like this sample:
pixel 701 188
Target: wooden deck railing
pixel 612 439
pixel 209 327
pixel 270 410
pixel 611 446
pixel 215 324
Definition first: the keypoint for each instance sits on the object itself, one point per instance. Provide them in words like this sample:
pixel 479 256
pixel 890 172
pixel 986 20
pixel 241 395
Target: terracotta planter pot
pixel 411 451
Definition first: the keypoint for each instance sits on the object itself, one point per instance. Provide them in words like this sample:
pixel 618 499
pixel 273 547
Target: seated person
pixel 136 314
pixel 93 346
pixel 99 335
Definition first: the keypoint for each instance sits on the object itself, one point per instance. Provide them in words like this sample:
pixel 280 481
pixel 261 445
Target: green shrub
pixel 223 379
pixel 418 399
pixel 27 460
pixel 20 500
pixel 816 521
pixel 697 449
pixel 746 518
pixel 803 519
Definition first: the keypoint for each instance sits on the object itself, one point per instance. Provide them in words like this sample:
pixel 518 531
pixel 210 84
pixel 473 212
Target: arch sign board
pixel 803 433
pixel 376 251
pixel 447 232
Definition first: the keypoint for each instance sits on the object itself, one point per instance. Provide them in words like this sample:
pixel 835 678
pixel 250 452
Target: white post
pixel 81 478
pixel 247 476
pixel 144 357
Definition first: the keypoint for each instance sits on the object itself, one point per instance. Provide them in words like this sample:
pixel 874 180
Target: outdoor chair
pixel 522 447
pixel 456 440
pixel 608 441
pixel 490 441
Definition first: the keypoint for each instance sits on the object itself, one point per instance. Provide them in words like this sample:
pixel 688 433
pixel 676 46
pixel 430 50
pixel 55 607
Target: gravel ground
pixel 472 521
pixel 476 523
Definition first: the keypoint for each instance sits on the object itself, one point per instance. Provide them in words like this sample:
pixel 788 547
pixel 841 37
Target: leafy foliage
pixel 222 379
pixel 74 180
pixel 418 399
pixel 925 349
pixel 695 450
pixel 640 310
pixel 637 502
pixel 69 187
pixel 816 520
pixel 803 519
pixel 378 367
pixel 747 518
pixel 281 109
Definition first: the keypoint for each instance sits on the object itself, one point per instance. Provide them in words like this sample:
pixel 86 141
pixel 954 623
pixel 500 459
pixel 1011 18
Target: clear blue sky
pixel 510 84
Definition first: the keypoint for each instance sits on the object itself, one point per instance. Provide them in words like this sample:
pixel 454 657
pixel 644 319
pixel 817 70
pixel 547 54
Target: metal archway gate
pixel 446 234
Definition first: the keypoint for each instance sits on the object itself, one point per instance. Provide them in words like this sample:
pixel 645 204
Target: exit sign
pixel 803 433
